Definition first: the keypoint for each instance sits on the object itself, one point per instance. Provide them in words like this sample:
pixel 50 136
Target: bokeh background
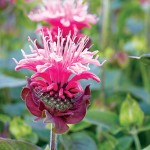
pixel 114 121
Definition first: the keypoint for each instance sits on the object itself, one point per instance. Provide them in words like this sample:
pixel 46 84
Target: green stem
pixel 105 23
pixel 145 77
pixel 104 41
pixel 53 139
pixel 137 142
pixel 136 139
pixel 147 24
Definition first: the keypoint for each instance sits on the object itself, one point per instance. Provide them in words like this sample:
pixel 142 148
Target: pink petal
pixel 68 94
pixel 85 75
pixel 74 84
pixel 53 86
pixel 61 92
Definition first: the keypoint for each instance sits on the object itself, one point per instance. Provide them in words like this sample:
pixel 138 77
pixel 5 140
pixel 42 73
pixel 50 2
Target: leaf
pixel 145 58
pixel 47 147
pixel 147 148
pixel 146 125
pixel 140 93
pixel 21 130
pixel 43 134
pixel 6 81
pixel 130 113
pixel 38 127
pixel 79 126
pixel 104 145
pixel 82 141
pixel 107 120
pixel 124 143
pixel 4 118
pixel 14 109
pixel 145 107
pixel 8 144
pixel 2 126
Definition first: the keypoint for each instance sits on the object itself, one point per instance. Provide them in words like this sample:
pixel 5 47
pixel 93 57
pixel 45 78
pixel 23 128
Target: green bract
pixel 130 113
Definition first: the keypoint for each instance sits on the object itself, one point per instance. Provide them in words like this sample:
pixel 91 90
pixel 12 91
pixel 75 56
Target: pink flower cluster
pixel 54 92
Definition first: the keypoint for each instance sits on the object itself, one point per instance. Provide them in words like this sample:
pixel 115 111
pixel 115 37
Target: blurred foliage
pixel 114 120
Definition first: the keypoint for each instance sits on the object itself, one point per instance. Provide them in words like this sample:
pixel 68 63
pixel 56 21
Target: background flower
pixel 67 15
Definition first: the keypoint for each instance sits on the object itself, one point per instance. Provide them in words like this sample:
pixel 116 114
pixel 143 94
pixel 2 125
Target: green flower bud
pixel 130 113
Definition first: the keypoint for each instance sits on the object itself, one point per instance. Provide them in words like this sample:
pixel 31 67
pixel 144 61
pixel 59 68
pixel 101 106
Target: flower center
pixel 54 102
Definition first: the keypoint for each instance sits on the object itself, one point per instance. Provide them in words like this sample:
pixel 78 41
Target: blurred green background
pixel 118 117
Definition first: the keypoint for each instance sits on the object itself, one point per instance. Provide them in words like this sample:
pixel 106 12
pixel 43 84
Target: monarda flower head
pixel 68 15
pixel 53 92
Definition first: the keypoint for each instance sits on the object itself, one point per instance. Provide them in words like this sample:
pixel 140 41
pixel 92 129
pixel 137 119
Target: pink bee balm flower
pixel 69 15
pixel 54 91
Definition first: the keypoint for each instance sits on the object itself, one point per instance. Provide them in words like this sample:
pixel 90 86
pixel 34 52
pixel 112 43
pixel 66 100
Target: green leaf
pixel 147 148
pixel 4 118
pixel 33 137
pixel 47 147
pixel 107 120
pixel 145 107
pixel 21 130
pixel 124 143
pixel 39 128
pixel 14 109
pixel 42 133
pixel 82 141
pixel 140 93
pixel 104 145
pixel 2 126
pixel 8 144
pixel 131 113
pixel 106 135
pixel 7 81
pixel 145 58
pixel 146 125
pixel 80 126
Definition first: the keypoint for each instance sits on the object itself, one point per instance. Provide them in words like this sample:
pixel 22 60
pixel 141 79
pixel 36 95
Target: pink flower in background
pixel 54 91
pixel 145 4
pixel 69 15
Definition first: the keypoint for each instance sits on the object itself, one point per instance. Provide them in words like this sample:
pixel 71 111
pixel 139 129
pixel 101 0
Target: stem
pixel 136 139
pixel 104 40
pixel 137 142
pixel 105 23
pixel 147 23
pixel 145 77
pixel 53 139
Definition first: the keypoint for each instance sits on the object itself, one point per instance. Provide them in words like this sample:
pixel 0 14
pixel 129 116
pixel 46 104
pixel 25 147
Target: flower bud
pixel 130 113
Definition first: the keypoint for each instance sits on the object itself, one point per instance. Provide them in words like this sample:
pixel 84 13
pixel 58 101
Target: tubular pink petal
pixel 85 75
